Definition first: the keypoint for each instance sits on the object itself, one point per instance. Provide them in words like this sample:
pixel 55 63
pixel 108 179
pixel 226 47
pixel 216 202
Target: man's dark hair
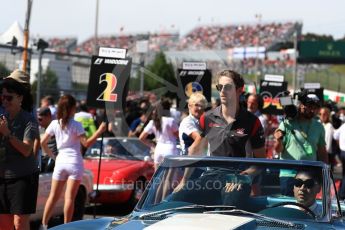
pixel 44 111
pixel 312 174
pixel 82 107
pixel 50 99
pixel 236 77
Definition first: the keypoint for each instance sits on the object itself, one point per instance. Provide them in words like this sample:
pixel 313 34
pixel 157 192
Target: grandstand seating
pixel 212 37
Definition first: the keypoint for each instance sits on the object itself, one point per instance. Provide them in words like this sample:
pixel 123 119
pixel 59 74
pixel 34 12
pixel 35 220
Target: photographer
pixel 301 137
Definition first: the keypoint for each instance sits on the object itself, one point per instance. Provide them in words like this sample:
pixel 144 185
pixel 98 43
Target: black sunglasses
pixel 226 87
pixel 307 183
pixel 7 97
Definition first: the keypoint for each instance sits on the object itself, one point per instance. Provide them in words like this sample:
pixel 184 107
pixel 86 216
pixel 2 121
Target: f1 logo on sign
pixel 108 82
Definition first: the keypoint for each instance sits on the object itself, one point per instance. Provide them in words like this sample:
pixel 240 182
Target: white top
pixel 82 114
pixel 67 141
pixel 53 111
pixel 169 126
pixel 188 125
pixel 339 134
pixel 329 130
pixel 174 113
pixel 263 120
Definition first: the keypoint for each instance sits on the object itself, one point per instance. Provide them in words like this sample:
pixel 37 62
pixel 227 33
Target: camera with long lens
pixel 290 103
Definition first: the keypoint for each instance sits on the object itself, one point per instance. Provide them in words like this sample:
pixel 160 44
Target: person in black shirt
pixel 230 129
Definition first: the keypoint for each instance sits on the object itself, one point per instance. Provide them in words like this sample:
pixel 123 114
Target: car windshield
pixel 119 148
pixel 277 190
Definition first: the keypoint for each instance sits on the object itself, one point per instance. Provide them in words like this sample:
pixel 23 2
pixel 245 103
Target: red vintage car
pixel 126 167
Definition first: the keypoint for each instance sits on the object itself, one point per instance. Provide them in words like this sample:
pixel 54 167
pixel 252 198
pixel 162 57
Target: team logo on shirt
pixel 240 131
pixel 213 125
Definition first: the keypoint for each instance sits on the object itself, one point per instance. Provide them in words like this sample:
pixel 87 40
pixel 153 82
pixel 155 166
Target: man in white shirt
pixel 339 136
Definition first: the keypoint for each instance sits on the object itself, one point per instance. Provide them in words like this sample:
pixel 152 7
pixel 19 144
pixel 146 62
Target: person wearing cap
pixel 19 170
pixel 300 138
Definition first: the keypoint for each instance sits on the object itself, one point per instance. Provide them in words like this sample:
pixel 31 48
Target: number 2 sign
pixel 107 94
pixel 108 81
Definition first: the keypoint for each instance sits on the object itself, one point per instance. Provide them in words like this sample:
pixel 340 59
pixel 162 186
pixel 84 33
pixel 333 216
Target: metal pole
pixel 338 82
pixel 142 62
pixel 38 93
pixel 26 35
pixel 96 29
pixel 258 16
pixel 294 72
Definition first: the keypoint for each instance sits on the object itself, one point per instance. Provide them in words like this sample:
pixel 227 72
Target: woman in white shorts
pixel 69 162
pixel 165 130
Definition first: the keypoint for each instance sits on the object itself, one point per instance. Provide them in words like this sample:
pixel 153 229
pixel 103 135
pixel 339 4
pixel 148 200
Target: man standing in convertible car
pixel 230 129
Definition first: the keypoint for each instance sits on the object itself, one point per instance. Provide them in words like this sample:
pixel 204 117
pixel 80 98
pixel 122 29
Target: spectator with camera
pixel 300 137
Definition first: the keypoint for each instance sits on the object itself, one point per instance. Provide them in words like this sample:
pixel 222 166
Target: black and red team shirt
pixel 230 139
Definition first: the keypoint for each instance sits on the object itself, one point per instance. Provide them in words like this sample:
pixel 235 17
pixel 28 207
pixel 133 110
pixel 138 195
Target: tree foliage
pixel 162 69
pixel 49 84
pixel 4 72
pixel 317 37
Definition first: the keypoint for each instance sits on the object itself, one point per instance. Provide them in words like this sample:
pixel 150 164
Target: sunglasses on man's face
pixel 226 87
pixel 7 97
pixel 307 183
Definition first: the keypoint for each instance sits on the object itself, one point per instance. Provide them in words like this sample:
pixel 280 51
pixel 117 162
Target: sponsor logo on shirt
pixel 213 125
pixel 240 131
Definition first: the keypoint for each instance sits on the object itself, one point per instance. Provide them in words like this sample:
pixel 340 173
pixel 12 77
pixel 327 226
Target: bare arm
pixel 198 146
pixel 131 133
pixel 259 152
pixel 37 144
pixel 25 147
pixel 278 141
pixel 87 142
pixel 143 138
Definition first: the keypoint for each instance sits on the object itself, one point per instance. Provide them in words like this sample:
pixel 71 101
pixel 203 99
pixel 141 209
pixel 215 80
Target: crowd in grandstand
pixel 229 36
pixel 202 37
